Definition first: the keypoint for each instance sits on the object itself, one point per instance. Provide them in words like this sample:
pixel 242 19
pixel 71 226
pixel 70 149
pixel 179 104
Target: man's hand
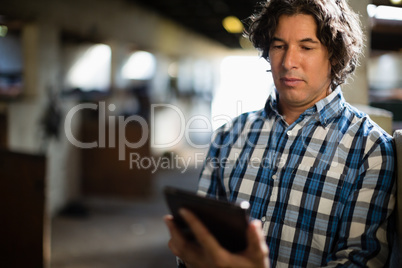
pixel 208 253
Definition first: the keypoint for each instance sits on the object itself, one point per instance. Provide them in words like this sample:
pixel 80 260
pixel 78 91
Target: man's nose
pixel 291 58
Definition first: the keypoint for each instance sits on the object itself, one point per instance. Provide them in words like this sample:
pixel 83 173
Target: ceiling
pixel 205 17
pixel 385 34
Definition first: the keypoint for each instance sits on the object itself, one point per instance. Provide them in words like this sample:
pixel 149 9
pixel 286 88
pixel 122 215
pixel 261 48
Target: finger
pixel 256 239
pixel 201 233
pixel 168 219
pixel 179 245
pixel 177 241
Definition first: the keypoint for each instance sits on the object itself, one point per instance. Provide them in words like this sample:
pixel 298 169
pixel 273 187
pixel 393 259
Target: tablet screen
pixel 228 222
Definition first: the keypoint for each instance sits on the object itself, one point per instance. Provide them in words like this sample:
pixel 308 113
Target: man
pixel 317 172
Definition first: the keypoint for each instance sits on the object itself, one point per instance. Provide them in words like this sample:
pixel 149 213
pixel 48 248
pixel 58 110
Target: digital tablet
pixel 228 222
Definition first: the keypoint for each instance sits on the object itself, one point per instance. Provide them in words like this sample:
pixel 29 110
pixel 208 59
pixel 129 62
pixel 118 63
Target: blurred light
pixel 3 30
pixel 232 24
pixel 396 2
pixel 385 70
pixel 92 70
pixel 185 75
pixel 244 86
pixel 384 12
pixel 140 66
pixel 173 69
pixel 371 10
pixel 202 76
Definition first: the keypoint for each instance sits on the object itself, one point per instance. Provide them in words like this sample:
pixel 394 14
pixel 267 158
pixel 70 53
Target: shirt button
pixel 263 219
pixel 274 177
pixel 289 133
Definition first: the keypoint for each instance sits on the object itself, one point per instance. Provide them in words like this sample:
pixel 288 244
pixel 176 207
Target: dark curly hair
pixel 338 28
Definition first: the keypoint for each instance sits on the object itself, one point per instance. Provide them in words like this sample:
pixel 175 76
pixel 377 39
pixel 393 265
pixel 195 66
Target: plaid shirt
pixel 323 186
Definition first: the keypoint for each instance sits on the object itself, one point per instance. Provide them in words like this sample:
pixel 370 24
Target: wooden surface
pixel 3 130
pixel 103 174
pixel 24 240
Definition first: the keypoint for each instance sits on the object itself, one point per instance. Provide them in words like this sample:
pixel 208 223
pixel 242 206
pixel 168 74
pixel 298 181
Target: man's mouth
pixel 291 81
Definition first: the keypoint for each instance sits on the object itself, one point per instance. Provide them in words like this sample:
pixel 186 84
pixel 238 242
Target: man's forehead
pixel 300 27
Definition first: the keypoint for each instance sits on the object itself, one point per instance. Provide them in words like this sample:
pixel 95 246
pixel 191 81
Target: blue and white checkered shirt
pixel 323 186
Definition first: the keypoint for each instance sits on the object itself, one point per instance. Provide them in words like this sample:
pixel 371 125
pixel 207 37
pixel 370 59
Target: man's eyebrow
pixel 309 40
pixel 304 40
pixel 277 39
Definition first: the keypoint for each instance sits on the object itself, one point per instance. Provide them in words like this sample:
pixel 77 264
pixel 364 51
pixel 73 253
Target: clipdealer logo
pixel 101 142
pixel 107 124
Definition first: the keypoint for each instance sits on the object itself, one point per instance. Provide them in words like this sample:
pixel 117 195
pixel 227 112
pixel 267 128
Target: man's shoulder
pixel 363 124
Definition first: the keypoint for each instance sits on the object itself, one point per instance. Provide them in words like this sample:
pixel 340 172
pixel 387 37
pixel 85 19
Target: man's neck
pixel 290 114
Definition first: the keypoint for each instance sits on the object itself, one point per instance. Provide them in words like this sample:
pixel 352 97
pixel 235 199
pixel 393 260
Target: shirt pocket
pixel 312 199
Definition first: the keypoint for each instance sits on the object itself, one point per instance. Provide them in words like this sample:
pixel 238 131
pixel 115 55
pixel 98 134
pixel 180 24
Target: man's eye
pixel 307 48
pixel 279 47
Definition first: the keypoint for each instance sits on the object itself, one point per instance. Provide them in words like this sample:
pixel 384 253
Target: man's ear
pixel 332 61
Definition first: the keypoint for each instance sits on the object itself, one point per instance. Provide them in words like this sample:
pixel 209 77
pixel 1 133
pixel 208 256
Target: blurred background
pixel 103 103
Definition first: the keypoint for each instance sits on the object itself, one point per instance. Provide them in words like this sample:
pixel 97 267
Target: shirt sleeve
pixel 210 182
pixel 364 235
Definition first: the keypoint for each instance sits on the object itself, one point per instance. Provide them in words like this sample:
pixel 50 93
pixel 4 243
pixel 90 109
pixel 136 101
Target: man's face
pixel 299 62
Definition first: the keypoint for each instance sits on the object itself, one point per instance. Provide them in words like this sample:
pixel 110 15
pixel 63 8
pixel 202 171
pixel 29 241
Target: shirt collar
pixel 327 109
